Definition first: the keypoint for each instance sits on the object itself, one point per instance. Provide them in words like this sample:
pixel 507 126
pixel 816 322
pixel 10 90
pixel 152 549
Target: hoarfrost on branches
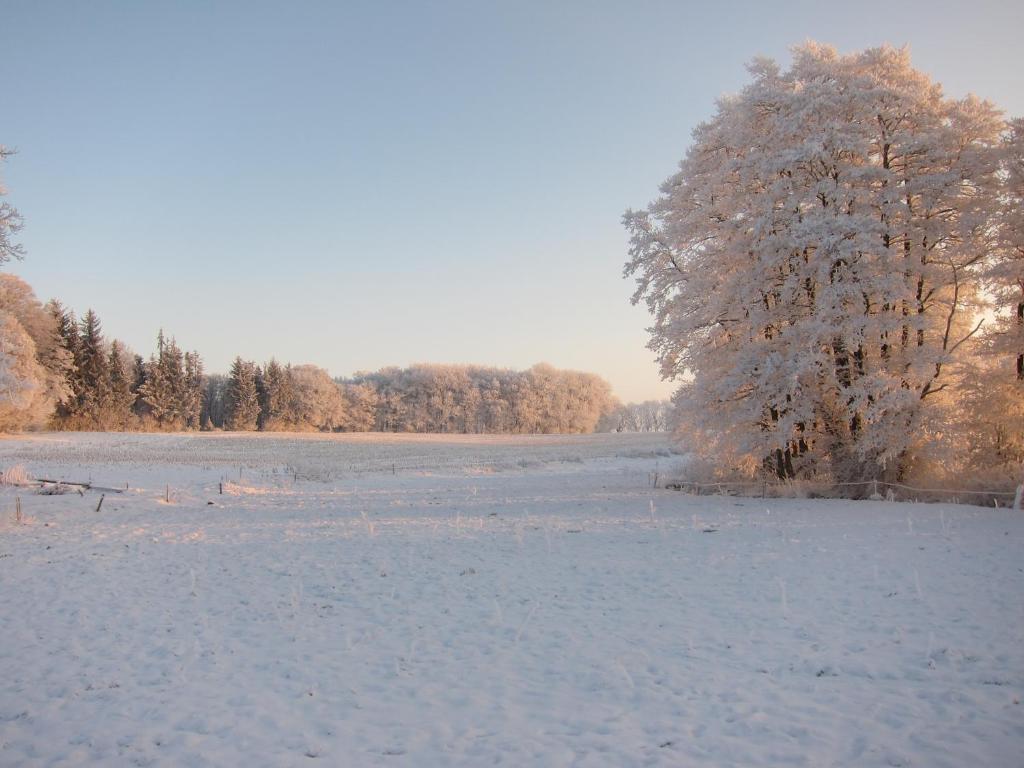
pixel 814 266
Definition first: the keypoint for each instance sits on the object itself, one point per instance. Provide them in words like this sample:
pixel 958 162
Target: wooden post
pixel 220 488
pixel 102 497
pixel 17 508
pixel 167 494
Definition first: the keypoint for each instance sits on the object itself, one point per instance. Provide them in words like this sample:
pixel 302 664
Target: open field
pixel 430 600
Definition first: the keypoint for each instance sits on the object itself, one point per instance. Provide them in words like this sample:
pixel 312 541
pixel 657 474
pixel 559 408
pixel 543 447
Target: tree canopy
pixel 815 267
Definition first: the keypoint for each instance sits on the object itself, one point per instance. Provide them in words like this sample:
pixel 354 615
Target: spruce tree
pixel 93 372
pixel 172 365
pixel 163 390
pixel 277 405
pixel 118 409
pixel 139 406
pixel 67 332
pixel 243 402
pixel 193 390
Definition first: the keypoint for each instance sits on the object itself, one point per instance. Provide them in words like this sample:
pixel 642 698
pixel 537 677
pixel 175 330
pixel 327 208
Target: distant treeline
pixel 421 398
pixel 648 416
pixel 58 371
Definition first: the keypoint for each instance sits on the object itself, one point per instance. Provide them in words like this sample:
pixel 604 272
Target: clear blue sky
pixel 363 184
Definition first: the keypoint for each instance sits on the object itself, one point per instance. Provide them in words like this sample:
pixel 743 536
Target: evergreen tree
pixel 67 331
pixel 242 402
pixel 277 406
pixel 172 364
pixel 93 372
pixel 118 410
pixel 193 390
pixel 139 406
pixel 164 389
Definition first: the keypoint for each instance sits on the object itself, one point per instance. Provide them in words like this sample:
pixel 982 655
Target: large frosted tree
pixel 813 266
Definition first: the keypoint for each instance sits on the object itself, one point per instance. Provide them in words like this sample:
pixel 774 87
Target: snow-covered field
pixel 434 601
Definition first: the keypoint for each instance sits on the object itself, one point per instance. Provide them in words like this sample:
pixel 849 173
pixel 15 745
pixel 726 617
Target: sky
pixel 366 184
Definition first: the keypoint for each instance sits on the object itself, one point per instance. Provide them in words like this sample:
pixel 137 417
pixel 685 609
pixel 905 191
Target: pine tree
pixel 172 364
pixel 164 390
pixel 118 410
pixel 67 331
pixel 193 389
pixel 277 404
pixel 242 402
pixel 139 406
pixel 93 372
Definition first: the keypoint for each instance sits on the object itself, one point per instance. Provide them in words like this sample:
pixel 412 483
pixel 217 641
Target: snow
pixel 427 600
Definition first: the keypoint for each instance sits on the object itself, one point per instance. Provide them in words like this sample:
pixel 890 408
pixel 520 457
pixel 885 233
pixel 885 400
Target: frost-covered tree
pixel 317 402
pixel 67 331
pixel 813 266
pixel 118 411
pixel 138 369
pixel 214 404
pixel 242 402
pixel 10 221
pixel 170 387
pixel 452 398
pixel 277 401
pixel 361 401
pixel 23 394
pixel 1006 276
pixel 648 416
pixel 163 391
pixel 41 324
pixel 193 391
pixel 993 392
pixel 93 373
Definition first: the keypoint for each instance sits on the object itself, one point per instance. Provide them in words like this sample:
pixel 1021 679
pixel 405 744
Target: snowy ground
pixel 425 601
